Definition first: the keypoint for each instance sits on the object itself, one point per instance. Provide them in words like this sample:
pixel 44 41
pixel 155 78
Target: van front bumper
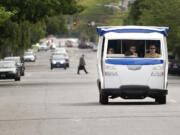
pixel 135 92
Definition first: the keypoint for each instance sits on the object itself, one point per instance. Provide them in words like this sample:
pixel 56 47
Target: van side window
pixel 132 48
pixel 114 45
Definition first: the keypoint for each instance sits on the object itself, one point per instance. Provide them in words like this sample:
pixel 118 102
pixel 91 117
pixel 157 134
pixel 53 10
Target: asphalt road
pixel 60 102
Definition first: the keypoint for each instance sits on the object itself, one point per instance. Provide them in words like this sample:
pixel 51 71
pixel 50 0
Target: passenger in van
pixel 152 52
pixel 110 51
pixel 132 51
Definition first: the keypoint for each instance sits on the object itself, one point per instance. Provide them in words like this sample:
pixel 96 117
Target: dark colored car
pixel 83 46
pixel 69 44
pixel 90 45
pixel 57 61
pixel 174 67
pixel 9 70
pixel 19 61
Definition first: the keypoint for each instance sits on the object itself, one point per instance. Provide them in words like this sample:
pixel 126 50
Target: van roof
pixel 132 29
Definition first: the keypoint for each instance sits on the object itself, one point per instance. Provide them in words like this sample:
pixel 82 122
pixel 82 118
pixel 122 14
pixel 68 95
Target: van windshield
pixel 134 48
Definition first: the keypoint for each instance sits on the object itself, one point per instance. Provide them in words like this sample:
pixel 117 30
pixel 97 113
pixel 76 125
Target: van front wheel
pixel 103 98
pixel 161 100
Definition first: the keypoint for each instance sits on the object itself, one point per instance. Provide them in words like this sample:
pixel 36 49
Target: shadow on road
pixel 40 84
pixel 110 103
pixel 81 104
pixel 133 103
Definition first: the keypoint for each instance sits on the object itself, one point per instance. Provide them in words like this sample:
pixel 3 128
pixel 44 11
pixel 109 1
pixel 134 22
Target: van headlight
pixel 54 62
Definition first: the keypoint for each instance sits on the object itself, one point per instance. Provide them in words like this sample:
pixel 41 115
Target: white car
pixel 43 47
pixel 58 61
pixel 29 57
pixel 9 70
pixel 19 61
pixel 61 50
pixel 63 55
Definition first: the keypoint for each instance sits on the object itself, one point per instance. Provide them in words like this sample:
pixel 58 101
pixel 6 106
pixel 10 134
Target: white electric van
pixel 132 63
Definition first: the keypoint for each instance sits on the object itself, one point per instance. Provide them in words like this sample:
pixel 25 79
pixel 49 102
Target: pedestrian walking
pixel 82 64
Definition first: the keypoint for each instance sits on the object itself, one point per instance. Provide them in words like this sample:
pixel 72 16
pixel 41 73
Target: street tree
pixel 23 21
pixel 56 25
pixel 158 13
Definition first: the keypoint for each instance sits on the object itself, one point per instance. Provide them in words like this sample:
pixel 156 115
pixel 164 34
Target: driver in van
pixel 152 52
pixel 132 51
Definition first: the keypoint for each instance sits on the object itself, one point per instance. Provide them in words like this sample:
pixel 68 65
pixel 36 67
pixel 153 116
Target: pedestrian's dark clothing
pixel 82 62
pixel 82 65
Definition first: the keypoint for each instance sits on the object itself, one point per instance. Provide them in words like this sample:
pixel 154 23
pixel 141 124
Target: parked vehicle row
pixel 84 46
pixel 88 45
pixel 13 67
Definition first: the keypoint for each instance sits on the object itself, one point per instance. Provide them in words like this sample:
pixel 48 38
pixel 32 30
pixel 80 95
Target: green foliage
pixel 98 12
pixel 16 37
pixel 22 22
pixel 56 25
pixel 36 10
pixel 38 31
pixel 158 13
pixel 5 15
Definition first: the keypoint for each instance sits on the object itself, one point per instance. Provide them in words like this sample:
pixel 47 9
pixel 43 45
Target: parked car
pixel 19 61
pixel 83 46
pixel 29 57
pixel 69 45
pixel 43 47
pixel 90 45
pixel 9 70
pixel 53 46
pixel 58 61
pixel 174 67
pixel 94 47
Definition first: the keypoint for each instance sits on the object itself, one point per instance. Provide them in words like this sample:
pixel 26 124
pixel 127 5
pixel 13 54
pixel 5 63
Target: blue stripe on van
pixel 134 61
pixel 102 31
